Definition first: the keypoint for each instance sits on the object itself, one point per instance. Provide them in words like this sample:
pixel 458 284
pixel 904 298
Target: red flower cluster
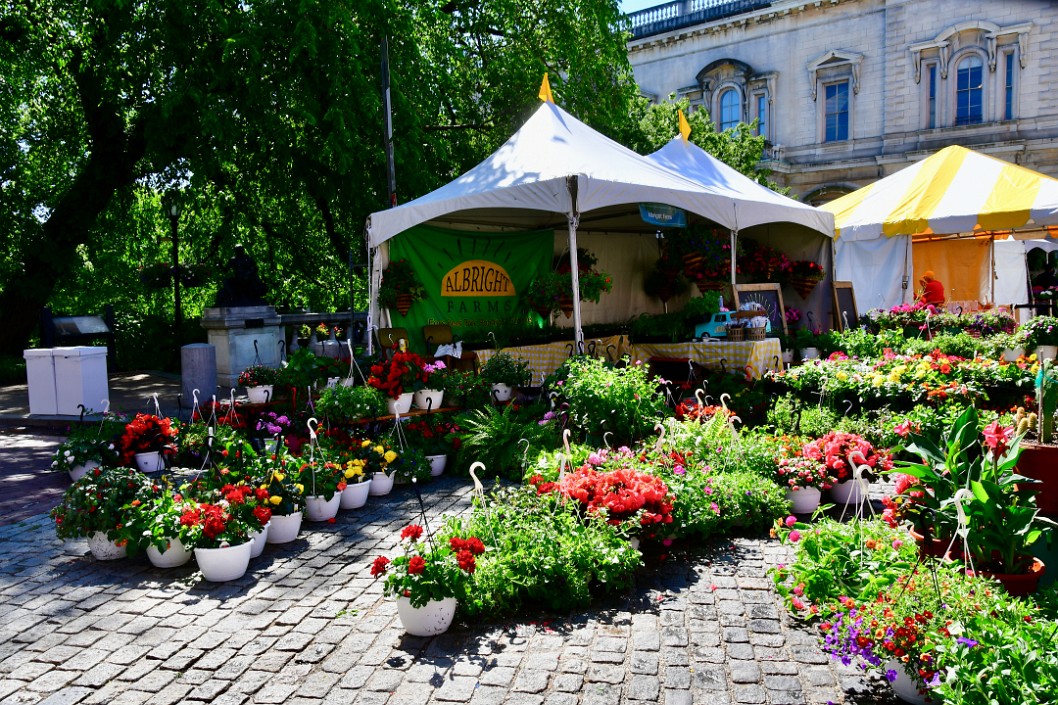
pixel 146 433
pixel 466 552
pixel 842 452
pixel 412 532
pixel 621 495
pixel 400 374
pixel 416 565
pixel 378 566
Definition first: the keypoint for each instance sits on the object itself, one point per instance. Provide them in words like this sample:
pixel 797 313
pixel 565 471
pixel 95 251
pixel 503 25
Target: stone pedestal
pixel 198 370
pixel 233 332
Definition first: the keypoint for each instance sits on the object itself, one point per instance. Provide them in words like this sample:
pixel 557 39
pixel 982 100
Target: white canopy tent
pixel 557 172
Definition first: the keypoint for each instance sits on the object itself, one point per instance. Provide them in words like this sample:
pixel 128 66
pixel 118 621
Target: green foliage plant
pixel 97 502
pixel 153 518
pixel 343 404
pixel 494 436
pixel 502 368
pixel 621 402
pixel 398 278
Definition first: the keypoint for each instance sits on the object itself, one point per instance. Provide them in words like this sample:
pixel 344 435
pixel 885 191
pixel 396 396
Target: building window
pixel 1008 86
pixel 836 112
pixel 969 91
pixel 762 115
pixel 730 114
pixel 931 90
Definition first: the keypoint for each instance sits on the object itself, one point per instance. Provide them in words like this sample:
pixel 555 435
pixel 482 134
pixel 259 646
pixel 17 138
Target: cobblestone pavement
pixel 308 625
pixel 25 489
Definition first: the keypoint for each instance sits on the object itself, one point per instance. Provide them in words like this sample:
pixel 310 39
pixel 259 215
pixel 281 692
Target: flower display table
pixel 761 355
pixel 545 358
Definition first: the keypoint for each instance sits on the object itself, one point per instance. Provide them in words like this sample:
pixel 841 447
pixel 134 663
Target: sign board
pixel 767 295
pixel 845 305
pixel 662 215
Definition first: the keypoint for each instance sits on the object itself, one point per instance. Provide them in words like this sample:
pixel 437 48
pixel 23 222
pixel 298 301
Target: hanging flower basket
pixel 565 304
pixel 692 263
pixel 404 302
pixel 803 285
pixel 705 285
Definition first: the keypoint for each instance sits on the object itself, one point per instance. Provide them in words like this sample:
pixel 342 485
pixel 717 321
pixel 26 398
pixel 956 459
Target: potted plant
pixel 804 275
pixel 706 255
pixel 96 507
pixel 279 477
pixel 153 523
pixel 1040 460
pixel 804 479
pixel 806 342
pixel 845 456
pixel 342 404
pixel 398 378
pixel 259 382
pixel 357 484
pixel 427 581
pixel 376 457
pixel 221 540
pixel 431 395
pixel 1041 335
pixel 324 482
pixel 146 441
pixel 273 427
pixel 546 291
pixel 410 466
pixel 636 504
pixel 436 439
pixel 665 280
pixel 400 287
pixel 505 373
pixel 81 452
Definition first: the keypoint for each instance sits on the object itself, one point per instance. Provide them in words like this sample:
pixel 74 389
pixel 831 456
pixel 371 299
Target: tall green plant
pixel 619 405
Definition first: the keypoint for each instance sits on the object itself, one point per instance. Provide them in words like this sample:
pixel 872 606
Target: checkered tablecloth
pixel 545 358
pixel 761 355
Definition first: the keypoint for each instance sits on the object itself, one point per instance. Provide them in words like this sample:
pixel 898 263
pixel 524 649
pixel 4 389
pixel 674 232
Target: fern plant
pixel 497 437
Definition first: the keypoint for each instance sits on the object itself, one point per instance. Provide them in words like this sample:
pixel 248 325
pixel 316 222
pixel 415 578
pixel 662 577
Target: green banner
pixel 473 281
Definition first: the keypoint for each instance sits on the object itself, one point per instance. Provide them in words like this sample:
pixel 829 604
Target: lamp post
pixel 173 211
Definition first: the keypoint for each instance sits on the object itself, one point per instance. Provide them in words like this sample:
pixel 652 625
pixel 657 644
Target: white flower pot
pixel 400 405
pixel 905 686
pixel 355 495
pixel 103 549
pixel 429 399
pixel 1012 354
pixel 150 461
pixel 174 556
pixel 260 538
pixel 437 464
pixel 787 357
pixel 849 491
pixel 1046 352
pixel 381 484
pixel 434 618
pixel 804 499
pixel 259 395
pixel 79 471
pixel 220 565
pixel 318 508
pixel 809 353
pixel 501 392
pixel 284 527
pixel 271 445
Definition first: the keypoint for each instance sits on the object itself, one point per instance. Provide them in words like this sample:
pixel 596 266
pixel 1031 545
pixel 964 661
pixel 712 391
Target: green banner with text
pixel 474 281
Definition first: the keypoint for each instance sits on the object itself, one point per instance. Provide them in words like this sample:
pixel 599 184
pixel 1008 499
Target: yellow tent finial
pixel 685 127
pixel 545 91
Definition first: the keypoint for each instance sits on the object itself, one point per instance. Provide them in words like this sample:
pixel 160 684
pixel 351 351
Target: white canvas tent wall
pixel 557 172
pixel 791 226
pixel 955 191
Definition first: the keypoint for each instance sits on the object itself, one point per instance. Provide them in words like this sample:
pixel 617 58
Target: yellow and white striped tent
pixel 954 192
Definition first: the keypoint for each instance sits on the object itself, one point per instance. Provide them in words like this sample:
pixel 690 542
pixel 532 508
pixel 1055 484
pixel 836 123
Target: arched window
pixel 730 112
pixel 969 91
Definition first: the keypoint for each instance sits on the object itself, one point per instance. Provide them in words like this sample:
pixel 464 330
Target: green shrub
pixel 494 436
pixel 605 399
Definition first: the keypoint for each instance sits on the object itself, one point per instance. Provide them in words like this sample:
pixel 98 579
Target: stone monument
pixel 243 327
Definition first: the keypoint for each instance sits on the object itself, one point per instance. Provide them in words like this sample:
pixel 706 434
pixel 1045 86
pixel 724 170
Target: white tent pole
pixel 992 269
pixel 734 268
pixel 372 296
pixel 573 218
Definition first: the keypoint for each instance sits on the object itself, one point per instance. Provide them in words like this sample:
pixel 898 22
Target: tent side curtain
pixel 877 269
pixel 963 266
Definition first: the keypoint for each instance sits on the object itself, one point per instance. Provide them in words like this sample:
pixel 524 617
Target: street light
pixel 173 211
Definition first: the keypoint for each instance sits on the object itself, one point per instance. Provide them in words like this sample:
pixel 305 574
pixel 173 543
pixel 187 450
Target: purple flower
pixel 968 642
pixel 679 470
pixel 890 675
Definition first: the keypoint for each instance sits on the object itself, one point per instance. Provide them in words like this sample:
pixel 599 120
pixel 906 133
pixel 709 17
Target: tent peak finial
pixel 685 127
pixel 545 91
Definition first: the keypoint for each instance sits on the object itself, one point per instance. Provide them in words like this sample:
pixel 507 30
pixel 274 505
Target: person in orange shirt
pixel 932 290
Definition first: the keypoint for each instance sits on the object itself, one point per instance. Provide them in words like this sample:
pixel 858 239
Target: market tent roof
pixel 754 203
pixel 953 191
pixel 529 174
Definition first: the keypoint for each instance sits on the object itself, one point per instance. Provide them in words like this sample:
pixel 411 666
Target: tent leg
pixel 578 330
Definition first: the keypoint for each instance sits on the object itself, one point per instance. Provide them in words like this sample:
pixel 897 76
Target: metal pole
pixel 387 124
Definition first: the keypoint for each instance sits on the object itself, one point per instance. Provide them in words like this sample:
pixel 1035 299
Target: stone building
pixel 849 91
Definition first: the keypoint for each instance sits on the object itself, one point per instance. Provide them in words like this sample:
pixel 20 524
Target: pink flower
pixel 795 535
pixel 791 520
pixel 997 437
pixel 897 543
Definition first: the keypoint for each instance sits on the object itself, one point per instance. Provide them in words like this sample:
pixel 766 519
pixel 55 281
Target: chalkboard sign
pixel 770 297
pixel 845 305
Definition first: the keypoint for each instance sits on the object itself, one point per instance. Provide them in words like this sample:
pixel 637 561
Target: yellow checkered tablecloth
pixel 761 355
pixel 545 358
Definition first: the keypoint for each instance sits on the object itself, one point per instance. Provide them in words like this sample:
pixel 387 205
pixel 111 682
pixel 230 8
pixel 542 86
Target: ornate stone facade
pixel 849 91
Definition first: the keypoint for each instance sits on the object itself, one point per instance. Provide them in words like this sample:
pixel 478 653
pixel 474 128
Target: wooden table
pixel 753 356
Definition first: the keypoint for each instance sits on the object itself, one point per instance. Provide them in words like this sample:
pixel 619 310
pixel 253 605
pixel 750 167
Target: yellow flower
pixel 842 375
pixel 278 476
pixel 380 450
pixel 390 456
pixel 300 488
pixel 275 500
pixel 365 444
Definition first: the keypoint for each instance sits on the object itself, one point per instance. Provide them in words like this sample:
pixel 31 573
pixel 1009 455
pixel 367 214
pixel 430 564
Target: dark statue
pixel 243 286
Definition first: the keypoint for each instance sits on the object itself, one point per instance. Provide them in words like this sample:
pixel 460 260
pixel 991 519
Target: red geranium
pixel 403 372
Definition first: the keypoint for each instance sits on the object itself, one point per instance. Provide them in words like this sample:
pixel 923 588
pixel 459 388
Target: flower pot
pixel 906 686
pixel 79 471
pixel 804 499
pixel 429 399
pixel 404 302
pixel 317 508
pixel 400 405
pixel 931 546
pixel 260 538
pixel 381 484
pixel 809 354
pixel 437 464
pixel 355 495
pixel 259 395
pixel 103 549
pixel 1020 584
pixel 1040 462
pixel 565 305
pixel 284 527
pixel 803 285
pixel 150 461
pixel 433 618
pixel 848 492
pixel 787 357
pixel 502 392
pixel 220 565
pixel 1046 352
pixel 1012 354
pixel 271 445
pixel 175 555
